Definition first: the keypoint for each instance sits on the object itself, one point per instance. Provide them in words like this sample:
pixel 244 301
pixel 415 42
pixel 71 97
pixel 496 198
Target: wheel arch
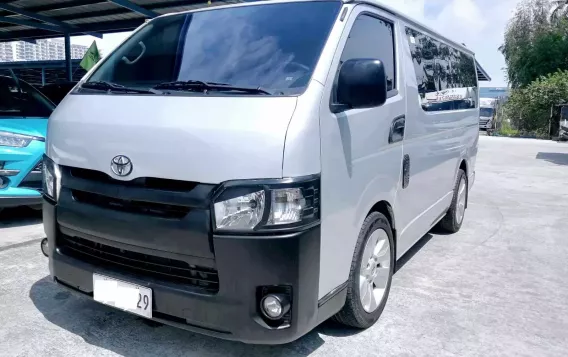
pixel 463 166
pixel 386 209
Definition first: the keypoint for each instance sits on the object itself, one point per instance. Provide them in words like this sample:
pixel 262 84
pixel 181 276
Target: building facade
pixel 6 52
pixel 43 50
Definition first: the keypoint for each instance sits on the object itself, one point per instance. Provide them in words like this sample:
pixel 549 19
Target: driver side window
pixel 371 37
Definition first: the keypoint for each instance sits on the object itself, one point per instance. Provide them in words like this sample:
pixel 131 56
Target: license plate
pixel 122 295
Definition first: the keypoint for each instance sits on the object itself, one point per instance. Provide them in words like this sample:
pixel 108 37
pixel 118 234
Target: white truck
pixel 486 112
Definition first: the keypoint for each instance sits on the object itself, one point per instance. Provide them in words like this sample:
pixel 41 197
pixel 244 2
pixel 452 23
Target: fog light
pixel 274 306
pixel 3 182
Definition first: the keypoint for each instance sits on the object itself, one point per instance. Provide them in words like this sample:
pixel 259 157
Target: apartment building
pixel 43 50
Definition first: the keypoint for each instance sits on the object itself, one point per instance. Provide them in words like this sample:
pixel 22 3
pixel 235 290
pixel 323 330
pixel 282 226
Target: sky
pixel 480 24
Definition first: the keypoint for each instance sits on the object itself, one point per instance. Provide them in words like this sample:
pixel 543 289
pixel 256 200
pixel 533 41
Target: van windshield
pixel 274 47
pixel 485 112
pixel 20 100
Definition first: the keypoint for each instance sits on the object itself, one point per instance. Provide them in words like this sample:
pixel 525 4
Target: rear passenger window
pixel 446 76
pixel 371 37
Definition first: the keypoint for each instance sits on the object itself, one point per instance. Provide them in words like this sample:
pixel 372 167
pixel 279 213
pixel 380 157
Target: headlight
pixel 51 178
pixel 15 140
pixel 267 205
pixel 243 212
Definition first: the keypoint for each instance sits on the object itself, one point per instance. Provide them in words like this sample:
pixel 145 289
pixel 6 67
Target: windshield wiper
pixel 113 87
pixel 201 86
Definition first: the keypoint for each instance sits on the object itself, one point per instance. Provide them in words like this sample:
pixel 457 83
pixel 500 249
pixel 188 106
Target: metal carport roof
pixel 36 19
pixel 39 73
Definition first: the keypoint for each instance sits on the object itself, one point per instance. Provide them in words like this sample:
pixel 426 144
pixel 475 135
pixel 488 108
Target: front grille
pixel 145 182
pixel 142 265
pixel 137 207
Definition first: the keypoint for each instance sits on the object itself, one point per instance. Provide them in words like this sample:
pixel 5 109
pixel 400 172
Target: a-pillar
pixel 68 57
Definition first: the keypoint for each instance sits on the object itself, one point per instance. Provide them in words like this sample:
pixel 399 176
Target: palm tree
pixel 559 9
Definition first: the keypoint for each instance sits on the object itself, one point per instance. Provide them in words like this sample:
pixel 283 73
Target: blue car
pixel 24 112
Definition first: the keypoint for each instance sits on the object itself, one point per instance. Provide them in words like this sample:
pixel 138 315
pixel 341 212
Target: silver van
pixel 250 171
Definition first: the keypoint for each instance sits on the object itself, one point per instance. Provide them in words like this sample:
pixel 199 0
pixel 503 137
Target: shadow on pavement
pixel 335 329
pixel 553 157
pixel 131 336
pixel 412 251
pixel 19 217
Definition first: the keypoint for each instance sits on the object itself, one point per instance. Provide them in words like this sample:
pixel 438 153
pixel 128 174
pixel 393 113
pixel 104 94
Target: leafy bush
pixel 507 130
pixel 529 108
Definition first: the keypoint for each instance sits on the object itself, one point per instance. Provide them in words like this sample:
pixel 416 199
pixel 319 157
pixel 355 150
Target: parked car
pixel 57 91
pixel 24 112
pixel 250 171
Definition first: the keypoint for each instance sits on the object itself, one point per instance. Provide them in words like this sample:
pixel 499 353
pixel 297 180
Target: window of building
pixel 446 77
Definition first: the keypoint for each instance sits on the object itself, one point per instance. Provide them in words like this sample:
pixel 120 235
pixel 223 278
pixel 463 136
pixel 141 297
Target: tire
pixel 353 313
pixel 451 223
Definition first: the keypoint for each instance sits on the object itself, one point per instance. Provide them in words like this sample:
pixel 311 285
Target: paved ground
pixel 498 288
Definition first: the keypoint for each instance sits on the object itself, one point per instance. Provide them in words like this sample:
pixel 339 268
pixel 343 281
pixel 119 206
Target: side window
pixel 21 100
pixel 446 77
pixel 371 37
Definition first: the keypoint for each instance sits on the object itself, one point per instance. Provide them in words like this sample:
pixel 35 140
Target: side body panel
pixel 302 147
pixel 436 143
pixel 359 166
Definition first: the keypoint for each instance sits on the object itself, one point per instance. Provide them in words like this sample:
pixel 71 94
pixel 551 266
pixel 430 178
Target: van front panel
pixel 178 137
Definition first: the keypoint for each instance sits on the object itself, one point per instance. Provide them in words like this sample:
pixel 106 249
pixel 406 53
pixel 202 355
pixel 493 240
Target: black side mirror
pixel 362 83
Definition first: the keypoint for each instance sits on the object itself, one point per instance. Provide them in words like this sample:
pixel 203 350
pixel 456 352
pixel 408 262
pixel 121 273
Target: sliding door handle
pixel 397 129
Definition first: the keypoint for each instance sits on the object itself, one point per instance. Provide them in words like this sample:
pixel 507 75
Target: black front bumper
pixel 244 264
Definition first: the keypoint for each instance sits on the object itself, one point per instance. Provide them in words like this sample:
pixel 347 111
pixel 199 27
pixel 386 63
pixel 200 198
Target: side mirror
pixel 362 83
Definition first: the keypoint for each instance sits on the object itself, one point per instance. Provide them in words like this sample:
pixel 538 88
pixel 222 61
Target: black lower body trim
pixel 333 293
pixel 6 202
pixel 332 302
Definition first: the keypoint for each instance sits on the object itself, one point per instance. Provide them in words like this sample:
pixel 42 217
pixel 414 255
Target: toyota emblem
pixel 121 165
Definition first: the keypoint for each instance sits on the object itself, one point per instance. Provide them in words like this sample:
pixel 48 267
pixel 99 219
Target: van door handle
pixel 397 129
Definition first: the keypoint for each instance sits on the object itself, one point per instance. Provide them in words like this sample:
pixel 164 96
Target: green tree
pixel 559 10
pixel 534 45
pixel 529 107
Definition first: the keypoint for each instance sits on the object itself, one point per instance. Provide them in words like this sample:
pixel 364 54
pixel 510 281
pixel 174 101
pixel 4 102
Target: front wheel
pixel 371 274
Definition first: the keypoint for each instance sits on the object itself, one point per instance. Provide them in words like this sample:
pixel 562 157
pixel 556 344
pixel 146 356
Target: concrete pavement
pixel 497 288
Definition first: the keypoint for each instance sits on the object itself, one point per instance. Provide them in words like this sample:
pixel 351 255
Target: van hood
pixel 200 139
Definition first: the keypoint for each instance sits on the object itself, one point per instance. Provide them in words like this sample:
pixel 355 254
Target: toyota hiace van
pixel 249 171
